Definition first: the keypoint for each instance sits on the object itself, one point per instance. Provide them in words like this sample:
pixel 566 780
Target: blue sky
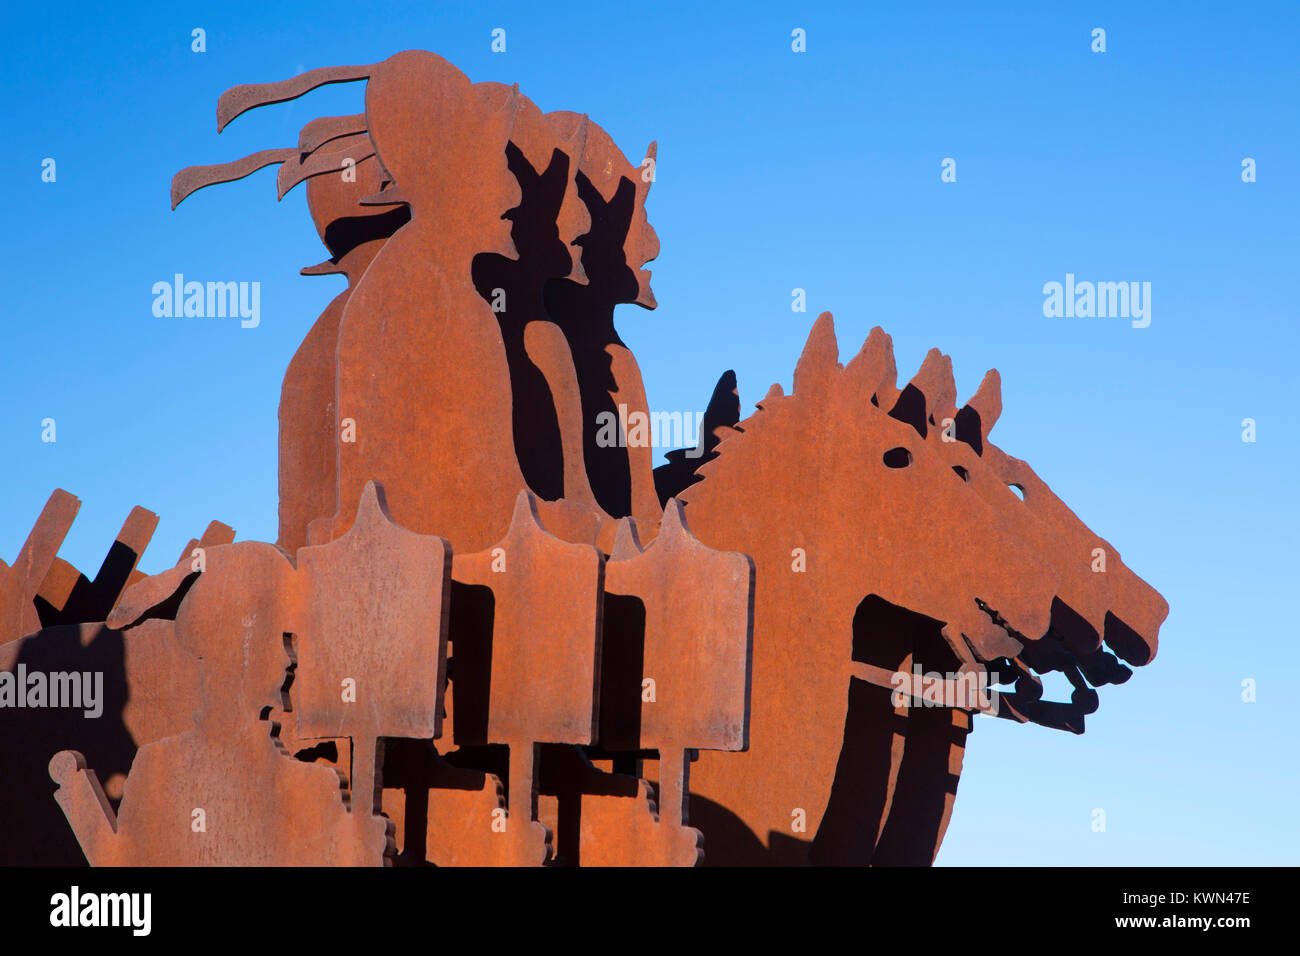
pixel 777 170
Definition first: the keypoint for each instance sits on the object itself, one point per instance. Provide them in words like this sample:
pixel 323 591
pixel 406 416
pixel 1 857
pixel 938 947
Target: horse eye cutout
pixel 897 458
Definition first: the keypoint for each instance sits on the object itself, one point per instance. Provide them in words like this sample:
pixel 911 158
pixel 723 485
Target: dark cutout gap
pixel 91 601
pixel 1017 490
pixel 345 234
pixel 327 751
pixel 682 467
pixel 969 429
pixel 513 287
pixel 897 458
pixel 622 668
pixel 1125 641
pixel 35 831
pixel 861 825
pixel 910 408
pixel 469 666
pixel 962 473
pixel 585 314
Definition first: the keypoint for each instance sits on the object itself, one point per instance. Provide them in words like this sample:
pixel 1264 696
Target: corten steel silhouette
pixel 20 584
pixel 914 551
pixel 700 697
pixel 364 615
pixel 522 644
pixel 148 686
pixel 148 682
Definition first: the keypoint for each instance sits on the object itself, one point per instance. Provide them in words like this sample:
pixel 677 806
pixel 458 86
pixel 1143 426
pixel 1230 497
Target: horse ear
pixel 872 371
pixel 934 380
pixel 820 356
pixel 981 412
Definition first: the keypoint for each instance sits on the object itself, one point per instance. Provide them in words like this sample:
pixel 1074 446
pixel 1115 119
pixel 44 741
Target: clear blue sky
pixel 776 170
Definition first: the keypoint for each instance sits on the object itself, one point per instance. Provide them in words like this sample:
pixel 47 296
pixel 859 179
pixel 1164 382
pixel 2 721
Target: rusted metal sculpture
pixel 902 546
pixel 186 799
pixel 683 627
pixel 541 651
pixel 488 636
pixel 20 583
pixel 145 683
pixel 142 687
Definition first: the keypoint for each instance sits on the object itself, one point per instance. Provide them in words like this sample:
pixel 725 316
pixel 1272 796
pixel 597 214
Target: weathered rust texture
pixel 63 595
pixel 310 429
pixel 443 814
pixel 589 195
pixel 69 597
pixel 214 534
pixel 372 641
pixel 548 217
pixel 677 610
pixel 368 615
pixel 192 178
pixel 617 244
pixel 146 684
pixel 258 806
pixel 147 689
pixel 417 348
pixel 678 630
pixel 850 479
pixel 472 368
pixel 531 657
pixel 320 131
pixel 623 831
pixel 721 415
pixel 158 596
pixel 21 581
pixel 353 233
pixel 239 99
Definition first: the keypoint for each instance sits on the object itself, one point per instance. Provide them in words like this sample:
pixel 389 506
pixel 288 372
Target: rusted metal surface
pixel 444 814
pixel 587 195
pixel 142 686
pixel 194 771
pixel 42 590
pixel 678 632
pixel 486 635
pixel 186 799
pixel 353 234
pixel 69 597
pixel 158 596
pixel 962 579
pixel 618 242
pixel 372 643
pixel 526 658
pixel 20 582
pixel 722 413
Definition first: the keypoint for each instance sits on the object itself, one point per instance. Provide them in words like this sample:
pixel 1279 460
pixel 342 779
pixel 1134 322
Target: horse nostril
pixel 962 473
pixel 897 458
